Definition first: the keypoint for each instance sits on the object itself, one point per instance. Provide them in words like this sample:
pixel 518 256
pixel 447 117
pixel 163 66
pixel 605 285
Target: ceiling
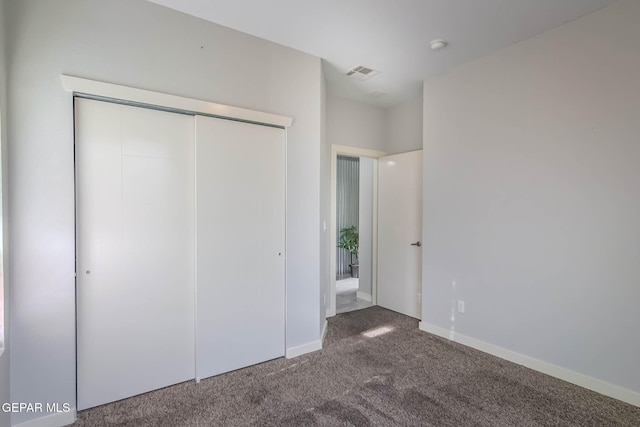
pixel 390 36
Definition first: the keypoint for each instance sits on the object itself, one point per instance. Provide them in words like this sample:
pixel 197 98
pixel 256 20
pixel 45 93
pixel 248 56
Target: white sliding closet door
pixel 135 250
pixel 240 273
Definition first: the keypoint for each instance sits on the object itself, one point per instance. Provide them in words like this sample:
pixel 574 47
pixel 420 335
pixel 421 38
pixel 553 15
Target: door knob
pixel 418 244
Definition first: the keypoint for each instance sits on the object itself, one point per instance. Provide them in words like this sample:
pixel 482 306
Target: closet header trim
pixel 162 101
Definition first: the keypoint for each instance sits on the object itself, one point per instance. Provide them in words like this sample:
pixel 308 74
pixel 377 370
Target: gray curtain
pixel 347 205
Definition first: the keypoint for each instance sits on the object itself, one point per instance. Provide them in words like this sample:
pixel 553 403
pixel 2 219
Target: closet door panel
pixel 240 181
pixel 135 250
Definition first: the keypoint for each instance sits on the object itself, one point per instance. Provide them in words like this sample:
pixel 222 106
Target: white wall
pixel 393 130
pixel 5 418
pixel 325 209
pixel 404 126
pixel 365 224
pixel 355 124
pixel 531 197
pixel 144 45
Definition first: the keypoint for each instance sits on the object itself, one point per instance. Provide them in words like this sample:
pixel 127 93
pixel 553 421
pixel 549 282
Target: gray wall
pixel 355 124
pixel 365 222
pixel 393 130
pixel 5 418
pixel 404 126
pixel 531 197
pixel 144 45
pixel 325 208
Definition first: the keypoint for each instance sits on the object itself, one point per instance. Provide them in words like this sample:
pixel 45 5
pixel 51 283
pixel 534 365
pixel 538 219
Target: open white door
pixel 400 233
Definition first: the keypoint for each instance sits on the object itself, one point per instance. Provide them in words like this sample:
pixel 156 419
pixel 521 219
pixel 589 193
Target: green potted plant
pixel 349 240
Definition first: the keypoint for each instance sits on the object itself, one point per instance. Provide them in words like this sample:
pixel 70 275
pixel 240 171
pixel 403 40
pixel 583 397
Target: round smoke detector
pixel 438 44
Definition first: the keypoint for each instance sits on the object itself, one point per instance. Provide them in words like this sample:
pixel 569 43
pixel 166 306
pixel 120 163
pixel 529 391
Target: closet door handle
pixel 418 244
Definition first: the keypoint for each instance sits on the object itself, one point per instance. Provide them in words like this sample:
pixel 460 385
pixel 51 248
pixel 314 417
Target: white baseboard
pixel 324 333
pixel 599 386
pixel 365 296
pixel 52 420
pixel 309 347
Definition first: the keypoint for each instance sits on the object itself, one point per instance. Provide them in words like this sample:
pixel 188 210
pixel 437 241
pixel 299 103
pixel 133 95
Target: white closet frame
pixel 96 89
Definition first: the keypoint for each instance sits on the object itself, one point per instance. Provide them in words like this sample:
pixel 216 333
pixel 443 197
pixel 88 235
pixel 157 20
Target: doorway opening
pixel 353 274
pixel 395 231
pixel 354 227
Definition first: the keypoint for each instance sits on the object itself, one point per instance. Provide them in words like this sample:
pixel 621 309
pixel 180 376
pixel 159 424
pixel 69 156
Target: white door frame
pixel 355 152
pixel 140 97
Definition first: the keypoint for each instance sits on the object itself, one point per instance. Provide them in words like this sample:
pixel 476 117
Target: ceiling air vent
pixel 362 73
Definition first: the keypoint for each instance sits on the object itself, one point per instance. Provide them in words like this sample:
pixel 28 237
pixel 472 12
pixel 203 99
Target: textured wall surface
pixel 531 197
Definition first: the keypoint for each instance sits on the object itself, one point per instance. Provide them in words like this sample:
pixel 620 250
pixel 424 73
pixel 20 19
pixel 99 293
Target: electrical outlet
pixel 460 306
